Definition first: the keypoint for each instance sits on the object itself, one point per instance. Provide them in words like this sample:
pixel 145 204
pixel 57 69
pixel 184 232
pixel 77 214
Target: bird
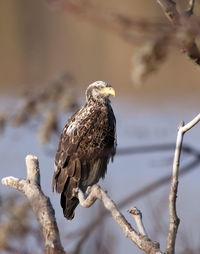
pixel 87 144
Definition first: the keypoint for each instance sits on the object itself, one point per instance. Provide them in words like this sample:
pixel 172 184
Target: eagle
pixel 87 143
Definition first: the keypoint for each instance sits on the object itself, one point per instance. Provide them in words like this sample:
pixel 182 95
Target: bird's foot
pixel 75 192
pixel 88 190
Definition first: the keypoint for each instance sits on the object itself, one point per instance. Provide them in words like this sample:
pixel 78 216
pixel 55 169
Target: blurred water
pixel 136 126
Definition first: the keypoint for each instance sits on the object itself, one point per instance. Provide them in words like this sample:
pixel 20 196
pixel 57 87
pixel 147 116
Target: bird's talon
pixel 88 190
pixel 75 191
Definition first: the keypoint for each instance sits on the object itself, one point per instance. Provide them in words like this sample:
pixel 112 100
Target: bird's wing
pixel 67 163
pixel 86 144
pixel 114 133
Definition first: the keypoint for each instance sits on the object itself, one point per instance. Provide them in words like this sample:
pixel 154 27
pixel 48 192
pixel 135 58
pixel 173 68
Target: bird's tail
pixel 68 205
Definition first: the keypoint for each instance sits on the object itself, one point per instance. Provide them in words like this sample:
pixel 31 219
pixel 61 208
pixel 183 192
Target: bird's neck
pixel 100 102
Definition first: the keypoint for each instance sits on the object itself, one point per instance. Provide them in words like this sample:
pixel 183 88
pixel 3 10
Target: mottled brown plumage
pixel 86 144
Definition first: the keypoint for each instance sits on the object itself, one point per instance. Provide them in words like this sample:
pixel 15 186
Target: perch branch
pixel 140 193
pixel 174 220
pixel 81 232
pixel 137 215
pixel 143 242
pixel 40 204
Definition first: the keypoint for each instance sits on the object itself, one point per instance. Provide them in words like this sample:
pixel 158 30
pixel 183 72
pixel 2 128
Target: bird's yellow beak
pixel 108 90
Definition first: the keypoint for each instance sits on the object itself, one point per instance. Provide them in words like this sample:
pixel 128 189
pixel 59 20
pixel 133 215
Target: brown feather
pixel 71 168
pixel 84 170
pixel 77 175
pixel 72 184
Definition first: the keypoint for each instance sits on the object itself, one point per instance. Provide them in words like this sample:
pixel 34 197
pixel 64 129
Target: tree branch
pixel 174 220
pixel 137 215
pixel 188 44
pixel 169 9
pixel 40 204
pixel 136 195
pixel 143 242
pixel 190 10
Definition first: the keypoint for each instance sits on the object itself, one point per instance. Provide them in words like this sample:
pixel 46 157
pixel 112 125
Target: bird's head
pixel 99 91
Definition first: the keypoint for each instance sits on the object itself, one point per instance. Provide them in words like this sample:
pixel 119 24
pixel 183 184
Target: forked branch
pixel 174 220
pixel 137 215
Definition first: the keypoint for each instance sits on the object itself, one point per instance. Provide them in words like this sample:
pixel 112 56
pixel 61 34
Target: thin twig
pixel 40 204
pixel 174 220
pixel 130 28
pixel 137 215
pixel 190 125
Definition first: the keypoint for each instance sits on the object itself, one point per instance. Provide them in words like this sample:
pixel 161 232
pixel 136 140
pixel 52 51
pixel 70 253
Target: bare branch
pixel 190 10
pixel 174 220
pixel 188 44
pixel 137 215
pixel 169 9
pixel 143 242
pixel 191 124
pixel 40 204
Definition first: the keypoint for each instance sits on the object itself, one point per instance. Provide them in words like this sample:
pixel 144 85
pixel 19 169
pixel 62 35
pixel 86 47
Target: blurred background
pixel 50 52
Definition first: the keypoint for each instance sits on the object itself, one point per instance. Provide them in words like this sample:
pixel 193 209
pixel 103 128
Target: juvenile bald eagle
pixel 86 144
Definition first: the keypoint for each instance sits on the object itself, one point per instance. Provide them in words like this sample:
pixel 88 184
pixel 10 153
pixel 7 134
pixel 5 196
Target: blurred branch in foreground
pixel 155 148
pixel 155 36
pixel 43 103
pixel 187 30
pixel 16 225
